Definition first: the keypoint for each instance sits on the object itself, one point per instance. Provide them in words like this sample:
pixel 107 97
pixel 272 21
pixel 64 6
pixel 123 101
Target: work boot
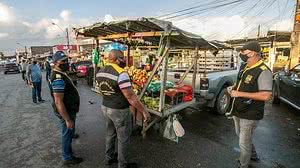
pixel 73 161
pixel 131 165
pixel 113 160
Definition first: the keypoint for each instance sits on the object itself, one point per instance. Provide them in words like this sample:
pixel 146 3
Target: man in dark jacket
pixel 66 105
pixel 114 84
pixel 254 87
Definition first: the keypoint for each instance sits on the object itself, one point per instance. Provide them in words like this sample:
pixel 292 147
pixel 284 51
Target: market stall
pixel 161 97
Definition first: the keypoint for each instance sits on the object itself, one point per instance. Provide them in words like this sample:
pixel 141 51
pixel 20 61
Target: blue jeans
pixel 36 91
pixel 66 138
pixel 118 128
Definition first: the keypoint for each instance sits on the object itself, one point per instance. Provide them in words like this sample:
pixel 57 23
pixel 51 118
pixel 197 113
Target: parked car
pixel 11 67
pixel 82 68
pixel 286 87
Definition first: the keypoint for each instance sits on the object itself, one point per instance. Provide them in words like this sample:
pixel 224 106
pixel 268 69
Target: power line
pixel 204 9
pixel 259 14
pixel 223 12
pixel 190 8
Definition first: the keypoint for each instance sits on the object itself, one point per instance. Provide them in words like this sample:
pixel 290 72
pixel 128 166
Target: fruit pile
pixel 139 78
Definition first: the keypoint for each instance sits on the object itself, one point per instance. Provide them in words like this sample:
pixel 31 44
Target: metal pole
pixel 25 52
pixel 195 69
pixel 164 79
pixel 68 40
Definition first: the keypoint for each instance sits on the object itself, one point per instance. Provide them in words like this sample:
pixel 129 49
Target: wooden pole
pixel 295 38
pixel 195 70
pixel 164 78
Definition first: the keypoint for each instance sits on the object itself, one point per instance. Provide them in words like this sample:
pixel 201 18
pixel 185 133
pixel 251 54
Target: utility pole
pixel 258 31
pixel 68 40
pixel 295 38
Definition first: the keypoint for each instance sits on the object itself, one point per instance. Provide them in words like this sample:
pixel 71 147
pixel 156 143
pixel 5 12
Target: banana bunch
pixel 151 103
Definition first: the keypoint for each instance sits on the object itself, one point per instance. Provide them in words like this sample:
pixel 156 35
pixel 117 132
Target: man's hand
pixel 70 124
pixel 234 93
pixel 146 116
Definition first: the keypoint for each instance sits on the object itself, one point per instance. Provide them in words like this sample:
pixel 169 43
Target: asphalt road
pixel 30 136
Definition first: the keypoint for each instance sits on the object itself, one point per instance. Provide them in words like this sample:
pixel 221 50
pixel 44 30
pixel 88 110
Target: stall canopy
pixel 147 29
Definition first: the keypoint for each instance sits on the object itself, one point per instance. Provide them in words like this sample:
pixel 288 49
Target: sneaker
pixel 35 102
pixel 131 165
pixel 75 136
pixel 73 161
pixel 113 160
pixel 42 101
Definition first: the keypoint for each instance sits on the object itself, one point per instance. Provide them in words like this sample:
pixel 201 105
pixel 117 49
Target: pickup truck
pixel 214 96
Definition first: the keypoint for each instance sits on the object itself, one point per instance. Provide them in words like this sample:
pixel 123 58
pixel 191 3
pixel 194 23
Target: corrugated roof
pixel 179 38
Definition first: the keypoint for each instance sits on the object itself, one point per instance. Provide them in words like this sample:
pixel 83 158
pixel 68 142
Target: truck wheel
pixel 275 95
pixel 222 102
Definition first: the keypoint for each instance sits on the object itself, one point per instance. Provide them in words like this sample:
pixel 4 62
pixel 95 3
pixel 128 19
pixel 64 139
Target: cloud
pixel 65 15
pixel 3 35
pixel 284 25
pixel 6 14
pixel 108 18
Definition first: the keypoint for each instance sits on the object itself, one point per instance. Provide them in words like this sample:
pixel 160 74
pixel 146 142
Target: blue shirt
pixel 35 73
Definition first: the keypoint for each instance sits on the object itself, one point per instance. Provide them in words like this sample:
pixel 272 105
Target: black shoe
pixel 75 136
pixel 73 161
pixel 131 165
pixel 113 160
pixel 41 101
pixel 35 102
pixel 255 158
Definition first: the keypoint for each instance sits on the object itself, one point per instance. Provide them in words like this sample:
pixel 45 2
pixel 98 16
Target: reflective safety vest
pixel 107 82
pixel 248 82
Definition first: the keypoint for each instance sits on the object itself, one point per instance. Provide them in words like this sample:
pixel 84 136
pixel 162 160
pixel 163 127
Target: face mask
pixel 244 57
pixel 122 64
pixel 64 67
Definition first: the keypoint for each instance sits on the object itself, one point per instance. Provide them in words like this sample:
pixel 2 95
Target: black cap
pixel 59 55
pixel 252 46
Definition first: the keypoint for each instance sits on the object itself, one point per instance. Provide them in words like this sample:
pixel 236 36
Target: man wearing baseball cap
pixel 115 86
pixel 254 87
pixel 66 105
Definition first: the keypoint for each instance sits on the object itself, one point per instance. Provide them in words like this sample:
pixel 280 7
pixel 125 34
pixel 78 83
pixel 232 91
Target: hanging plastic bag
pixel 178 129
pixel 169 132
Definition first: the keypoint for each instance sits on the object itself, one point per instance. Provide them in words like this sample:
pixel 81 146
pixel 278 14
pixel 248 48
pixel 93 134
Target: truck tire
pixel 275 95
pixel 222 102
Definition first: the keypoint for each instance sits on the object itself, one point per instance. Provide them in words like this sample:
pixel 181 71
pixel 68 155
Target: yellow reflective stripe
pixel 116 67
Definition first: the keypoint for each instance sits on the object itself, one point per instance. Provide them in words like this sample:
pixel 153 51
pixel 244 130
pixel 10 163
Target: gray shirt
pixel 265 81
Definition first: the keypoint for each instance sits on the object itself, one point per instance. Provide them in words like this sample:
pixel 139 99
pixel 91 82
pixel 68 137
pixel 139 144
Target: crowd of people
pixel 253 88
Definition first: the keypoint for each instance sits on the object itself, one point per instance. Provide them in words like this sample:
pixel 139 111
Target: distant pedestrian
pixel 24 65
pixel 66 105
pixel 48 69
pixel 254 87
pixel 34 76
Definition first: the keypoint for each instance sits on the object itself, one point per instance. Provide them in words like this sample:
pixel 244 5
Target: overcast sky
pixel 28 22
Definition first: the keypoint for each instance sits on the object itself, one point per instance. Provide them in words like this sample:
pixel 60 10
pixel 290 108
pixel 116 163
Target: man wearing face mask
pixel 66 105
pixel 254 87
pixel 34 76
pixel 114 84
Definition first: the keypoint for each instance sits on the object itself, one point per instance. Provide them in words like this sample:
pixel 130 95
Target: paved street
pixel 30 138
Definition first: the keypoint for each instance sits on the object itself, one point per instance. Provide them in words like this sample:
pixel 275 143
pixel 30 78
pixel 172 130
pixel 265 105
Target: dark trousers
pixel 118 127
pixel 24 75
pixel 48 72
pixel 36 91
pixel 66 138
